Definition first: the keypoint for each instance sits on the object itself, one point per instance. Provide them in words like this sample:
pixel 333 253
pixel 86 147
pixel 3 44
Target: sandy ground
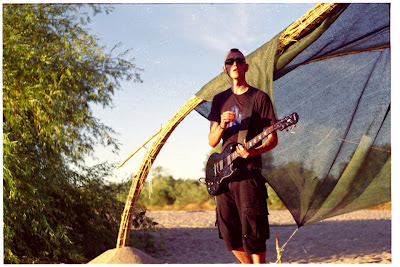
pixel 358 237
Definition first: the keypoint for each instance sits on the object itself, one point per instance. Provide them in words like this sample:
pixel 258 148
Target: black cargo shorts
pixel 242 214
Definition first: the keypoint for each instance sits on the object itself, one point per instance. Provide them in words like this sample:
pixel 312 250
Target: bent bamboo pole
pixel 131 155
pixel 292 33
pixel 306 22
pixel 139 179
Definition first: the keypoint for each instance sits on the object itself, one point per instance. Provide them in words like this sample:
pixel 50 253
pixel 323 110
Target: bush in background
pixel 164 192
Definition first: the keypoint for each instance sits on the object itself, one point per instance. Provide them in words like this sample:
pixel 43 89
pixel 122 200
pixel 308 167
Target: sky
pixel 180 48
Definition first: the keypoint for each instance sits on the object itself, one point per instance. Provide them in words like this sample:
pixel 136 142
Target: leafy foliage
pixel 163 190
pixel 55 207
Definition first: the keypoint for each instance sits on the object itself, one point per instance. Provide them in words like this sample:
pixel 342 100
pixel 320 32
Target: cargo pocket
pixel 260 195
pixel 256 223
pixel 255 230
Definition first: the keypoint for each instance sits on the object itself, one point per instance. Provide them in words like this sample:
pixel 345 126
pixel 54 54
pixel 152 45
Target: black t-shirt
pixel 263 116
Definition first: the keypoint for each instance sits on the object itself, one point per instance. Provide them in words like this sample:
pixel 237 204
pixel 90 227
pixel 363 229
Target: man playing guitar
pixel 242 215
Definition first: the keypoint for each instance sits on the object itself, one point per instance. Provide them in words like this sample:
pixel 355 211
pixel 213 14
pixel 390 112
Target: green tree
pixel 163 190
pixel 53 69
pixel 159 191
pixel 190 191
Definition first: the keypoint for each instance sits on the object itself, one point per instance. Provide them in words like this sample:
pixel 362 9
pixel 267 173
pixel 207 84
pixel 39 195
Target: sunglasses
pixel 230 61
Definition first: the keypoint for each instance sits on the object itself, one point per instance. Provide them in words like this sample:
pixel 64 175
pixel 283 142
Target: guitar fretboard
pixel 220 165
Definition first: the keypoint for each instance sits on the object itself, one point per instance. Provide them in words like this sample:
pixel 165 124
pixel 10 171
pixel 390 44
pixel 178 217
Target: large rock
pixel 124 255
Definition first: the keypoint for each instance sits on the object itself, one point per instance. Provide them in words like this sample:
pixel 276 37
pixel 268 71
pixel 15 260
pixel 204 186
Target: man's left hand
pixel 242 151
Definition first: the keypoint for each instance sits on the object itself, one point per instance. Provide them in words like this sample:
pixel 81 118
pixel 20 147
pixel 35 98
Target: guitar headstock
pixel 290 120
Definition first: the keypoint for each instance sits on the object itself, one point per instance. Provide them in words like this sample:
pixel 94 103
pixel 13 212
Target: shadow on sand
pixel 319 242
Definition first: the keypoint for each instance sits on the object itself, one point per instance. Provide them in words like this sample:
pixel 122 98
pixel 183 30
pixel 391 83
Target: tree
pixel 163 190
pixel 190 191
pixel 159 191
pixel 53 69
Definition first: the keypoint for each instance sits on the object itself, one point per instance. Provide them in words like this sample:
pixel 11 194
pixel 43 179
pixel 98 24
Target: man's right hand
pixel 217 129
pixel 226 118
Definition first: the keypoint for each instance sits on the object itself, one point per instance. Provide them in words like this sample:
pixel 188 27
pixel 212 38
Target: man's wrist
pixel 221 127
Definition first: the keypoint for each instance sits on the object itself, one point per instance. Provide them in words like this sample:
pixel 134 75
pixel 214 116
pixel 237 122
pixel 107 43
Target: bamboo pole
pixel 138 181
pixel 131 155
pixel 306 22
pixel 278 250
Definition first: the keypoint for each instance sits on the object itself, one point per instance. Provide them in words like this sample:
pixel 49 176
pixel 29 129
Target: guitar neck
pixel 280 125
pixel 255 140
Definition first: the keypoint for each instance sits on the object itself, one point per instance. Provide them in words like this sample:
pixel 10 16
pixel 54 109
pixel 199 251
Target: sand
pixel 124 255
pixel 358 237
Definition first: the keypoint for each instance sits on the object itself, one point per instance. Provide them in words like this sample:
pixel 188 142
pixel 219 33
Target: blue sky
pixel 181 47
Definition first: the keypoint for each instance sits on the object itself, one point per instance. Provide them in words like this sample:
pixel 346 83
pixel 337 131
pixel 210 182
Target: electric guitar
pixel 221 168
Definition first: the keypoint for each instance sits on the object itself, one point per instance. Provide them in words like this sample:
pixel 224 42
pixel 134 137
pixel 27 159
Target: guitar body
pixel 215 179
pixel 221 168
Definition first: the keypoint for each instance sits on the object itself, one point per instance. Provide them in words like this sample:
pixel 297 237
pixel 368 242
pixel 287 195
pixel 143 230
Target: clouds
pixel 231 27
pixel 218 27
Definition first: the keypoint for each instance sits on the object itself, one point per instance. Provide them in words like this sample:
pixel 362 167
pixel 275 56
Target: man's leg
pixel 251 201
pixel 246 259
pixel 259 257
pixel 242 256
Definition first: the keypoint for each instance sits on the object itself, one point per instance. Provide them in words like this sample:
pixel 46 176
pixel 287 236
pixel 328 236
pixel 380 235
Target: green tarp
pixel 337 78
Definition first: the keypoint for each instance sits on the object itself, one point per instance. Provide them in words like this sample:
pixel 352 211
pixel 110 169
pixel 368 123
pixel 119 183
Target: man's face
pixel 235 65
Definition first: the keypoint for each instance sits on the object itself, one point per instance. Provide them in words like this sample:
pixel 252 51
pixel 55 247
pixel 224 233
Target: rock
pixel 124 255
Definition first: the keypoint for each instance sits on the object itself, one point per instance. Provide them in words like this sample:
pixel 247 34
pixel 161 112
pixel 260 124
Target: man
pixel 242 215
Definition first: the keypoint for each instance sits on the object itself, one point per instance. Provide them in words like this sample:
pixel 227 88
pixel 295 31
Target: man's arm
pixel 215 135
pixel 217 129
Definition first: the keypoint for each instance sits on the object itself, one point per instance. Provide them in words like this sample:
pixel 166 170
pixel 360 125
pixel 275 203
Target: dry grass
pixel 187 207
pixel 385 206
